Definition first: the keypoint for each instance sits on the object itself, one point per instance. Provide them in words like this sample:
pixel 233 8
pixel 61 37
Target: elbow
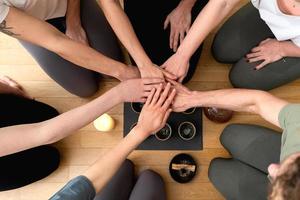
pixel 47 136
pixel 259 98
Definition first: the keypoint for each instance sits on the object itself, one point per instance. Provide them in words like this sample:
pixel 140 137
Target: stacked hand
pixel 268 51
pixel 137 90
pixel 156 110
pixel 177 66
pixel 153 71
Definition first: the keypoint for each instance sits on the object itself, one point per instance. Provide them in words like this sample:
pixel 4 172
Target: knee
pixel 213 169
pixel 87 91
pixel 228 135
pixel 152 178
pixel 223 49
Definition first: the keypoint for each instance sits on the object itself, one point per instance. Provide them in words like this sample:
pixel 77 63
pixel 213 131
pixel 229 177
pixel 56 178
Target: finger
pixel 148 88
pixel 156 95
pixel 164 95
pixel 252 60
pixel 171 38
pixel 253 55
pixel 263 64
pixel 174 83
pixel 169 100
pixel 143 100
pixel 256 49
pixel 150 97
pixel 150 81
pixel 175 41
pixel 169 75
pixel 264 41
pixel 166 23
pixel 181 79
pixel 167 114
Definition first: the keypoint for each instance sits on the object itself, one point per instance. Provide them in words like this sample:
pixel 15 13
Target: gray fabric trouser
pixel 75 79
pixel 244 176
pixel 243 31
pixel 149 185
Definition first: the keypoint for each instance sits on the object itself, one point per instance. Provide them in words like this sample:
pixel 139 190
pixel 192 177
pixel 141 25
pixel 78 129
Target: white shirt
pixel 283 26
pixel 42 9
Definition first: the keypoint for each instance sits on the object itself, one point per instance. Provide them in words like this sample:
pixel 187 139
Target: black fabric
pixel 28 166
pixel 147 18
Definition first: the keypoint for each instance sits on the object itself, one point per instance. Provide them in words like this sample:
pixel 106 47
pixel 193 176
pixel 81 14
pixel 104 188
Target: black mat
pixel 175 142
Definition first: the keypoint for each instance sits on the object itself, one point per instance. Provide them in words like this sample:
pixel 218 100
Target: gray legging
pixel 243 31
pixel 149 185
pixel 75 79
pixel 244 176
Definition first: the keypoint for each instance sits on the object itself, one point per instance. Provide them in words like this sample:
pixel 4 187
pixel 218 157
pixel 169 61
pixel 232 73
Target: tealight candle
pixel 104 123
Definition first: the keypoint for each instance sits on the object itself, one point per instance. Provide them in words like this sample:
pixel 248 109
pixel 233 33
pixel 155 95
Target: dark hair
pixel 287 185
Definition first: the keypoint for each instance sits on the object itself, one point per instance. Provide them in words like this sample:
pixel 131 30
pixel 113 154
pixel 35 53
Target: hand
pixel 268 51
pixel 130 72
pixel 177 66
pixel 183 98
pixel 8 85
pixel 137 90
pixel 180 22
pixel 153 71
pixel 77 33
pixel 156 110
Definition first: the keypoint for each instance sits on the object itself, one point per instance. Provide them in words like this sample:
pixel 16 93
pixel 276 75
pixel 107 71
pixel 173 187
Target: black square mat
pixel 175 142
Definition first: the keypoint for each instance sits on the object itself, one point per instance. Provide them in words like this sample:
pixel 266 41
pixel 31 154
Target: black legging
pixel 23 168
pixel 147 18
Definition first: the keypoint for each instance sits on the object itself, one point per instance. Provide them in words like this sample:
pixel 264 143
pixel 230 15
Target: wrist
pixel 187 4
pixel 139 133
pixel 195 99
pixel 118 94
pixel 282 49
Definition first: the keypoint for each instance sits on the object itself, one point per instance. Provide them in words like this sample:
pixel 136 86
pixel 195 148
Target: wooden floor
pixel 82 148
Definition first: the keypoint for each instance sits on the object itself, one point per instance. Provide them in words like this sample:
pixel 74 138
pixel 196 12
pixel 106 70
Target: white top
pixel 283 26
pixel 42 9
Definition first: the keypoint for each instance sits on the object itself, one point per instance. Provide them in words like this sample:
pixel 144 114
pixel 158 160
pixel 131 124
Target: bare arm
pixel 241 100
pixel 156 110
pixel 211 16
pixel 25 27
pixel 289 49
pixel 124 30
pixel 17 138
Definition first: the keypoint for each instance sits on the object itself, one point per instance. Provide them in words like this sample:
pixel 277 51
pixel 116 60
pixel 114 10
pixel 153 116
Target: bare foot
pixel 13 87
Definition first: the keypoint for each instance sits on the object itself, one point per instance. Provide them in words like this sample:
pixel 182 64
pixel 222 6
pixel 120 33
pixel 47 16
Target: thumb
pixel 166 23
pixel 169 75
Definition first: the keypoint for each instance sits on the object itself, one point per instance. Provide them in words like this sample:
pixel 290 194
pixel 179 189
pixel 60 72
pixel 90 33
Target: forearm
pixel 28 28
pixel 289 49
pixel 57 128
pixel 87 57
pixel 73 13
pixel 124 30
pixel 242 100
pixel 211 16
pixel 103 170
